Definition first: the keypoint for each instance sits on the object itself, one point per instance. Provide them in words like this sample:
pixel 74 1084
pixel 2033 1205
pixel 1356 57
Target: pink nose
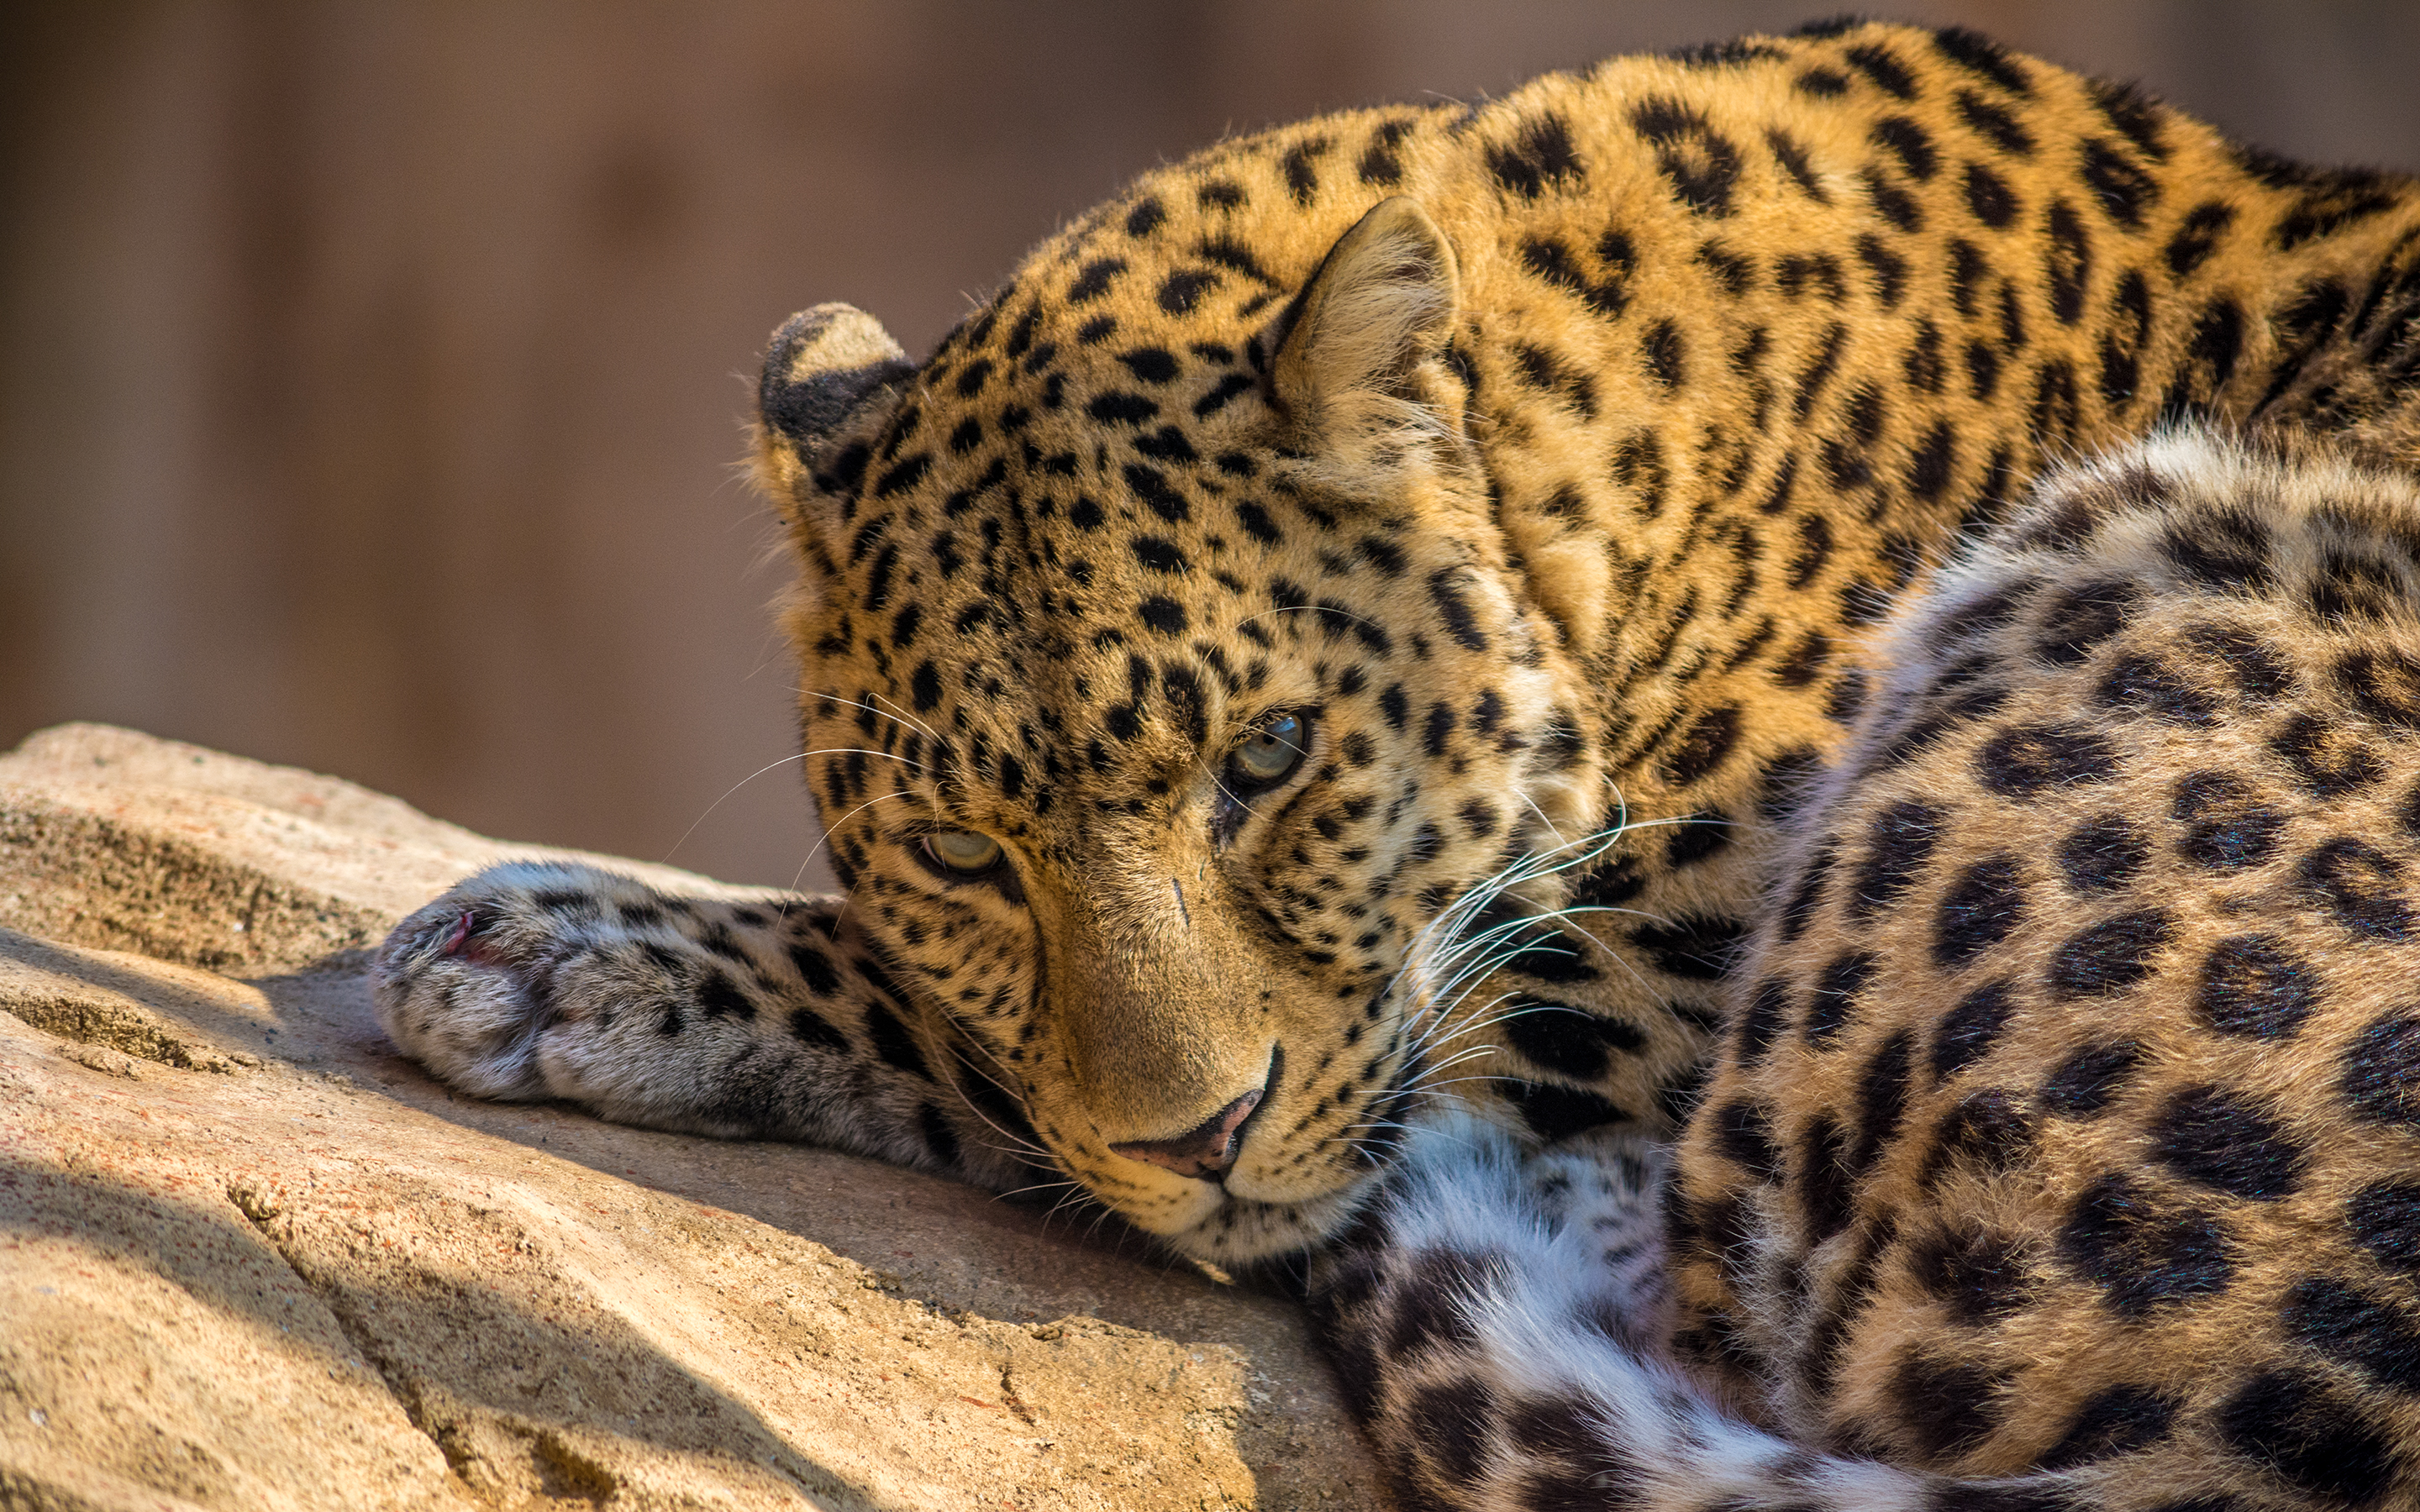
pixel 1202 1151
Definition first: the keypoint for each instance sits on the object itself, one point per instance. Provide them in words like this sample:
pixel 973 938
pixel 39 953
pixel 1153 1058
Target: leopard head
pixel 1173 713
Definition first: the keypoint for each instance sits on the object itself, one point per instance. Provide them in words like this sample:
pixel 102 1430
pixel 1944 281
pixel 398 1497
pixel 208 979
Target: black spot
pixel 1881 1098
pixel 1891 202
pixel 1450 1420
pixel 721 997
pixel 2115 1420
pixel 2148 688
pixel 2196 236
pixel 1701 163
pixel 925 688
pixel 1879 64
pixel 2230 828
pixel 2328 210
pixel 2385 1219
pixel 2108 957
pixel 1696 837
pixel 1180 292
pixel 2304 1430
pixel 2143 1254
pixel 1824 1190
pixel 2083 1083
pixel 2123 187
pixel 2356 883
pixel 2256 985
pixel 1897 844
pixel 1912 143
pixel 1540 157
pixel 1165 615
pixel 2368 1333
pixel 1889 268
pixel 810 1027
pixel 1692 945
pixel 1553 261
pixel 1944 1407
pixel 1823 83
pixel 1792 155
pixel 1934 467
pixel 1978 911
pixel 1566 1040
pixel 815 968
pixel 2068 263
pixel 2026 760
pixel 1966 1033
pixel 2384 684
pixel 1834 1000
pixel 2225 1142
pixel 1095 280
pixel 1667 354
pixel 2080 619
pixel 2255 664
pixel 2102 855
pixel 1302 179
pixel 1459 621
pixel 2222 550
pixel 1558 1112
pixel 894 1042
pixel 1986 1132
pixel 1158 553
pixel 1433 1299
pixel 1764 1019
pixel 1702 748
pixel 1980 55
pixel 1744 1134
pixel 1257 524
pixel 938 1136
pixel 1994 121
pixel 2381 1074
pixel 1151 486
pixel 1980 1273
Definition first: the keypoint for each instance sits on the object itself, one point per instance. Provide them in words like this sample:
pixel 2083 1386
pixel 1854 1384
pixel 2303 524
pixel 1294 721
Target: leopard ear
pixel 833 376
pixel 1355 355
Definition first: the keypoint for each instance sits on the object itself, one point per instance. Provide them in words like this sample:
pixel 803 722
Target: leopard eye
pixel 963 850
pixel 1272 750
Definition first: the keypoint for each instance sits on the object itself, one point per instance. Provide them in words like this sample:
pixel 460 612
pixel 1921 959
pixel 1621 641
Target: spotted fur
pixel 2065 1131
pixel 1547 463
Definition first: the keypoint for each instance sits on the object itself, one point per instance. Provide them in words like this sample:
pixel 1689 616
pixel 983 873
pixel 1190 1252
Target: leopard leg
pixel 740 1020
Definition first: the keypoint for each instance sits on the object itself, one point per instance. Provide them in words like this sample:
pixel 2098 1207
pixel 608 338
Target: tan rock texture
pixel 249 1258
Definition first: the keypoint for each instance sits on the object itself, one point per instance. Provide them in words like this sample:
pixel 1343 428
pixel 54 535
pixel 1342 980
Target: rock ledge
pixel 252 1259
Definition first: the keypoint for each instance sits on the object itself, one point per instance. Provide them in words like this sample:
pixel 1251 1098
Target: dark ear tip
pixel 823 365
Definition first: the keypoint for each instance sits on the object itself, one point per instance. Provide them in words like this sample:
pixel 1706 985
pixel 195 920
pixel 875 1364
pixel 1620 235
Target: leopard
pixel 1308 690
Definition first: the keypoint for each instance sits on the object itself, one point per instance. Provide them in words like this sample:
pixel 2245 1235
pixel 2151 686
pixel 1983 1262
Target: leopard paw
pixel 465 986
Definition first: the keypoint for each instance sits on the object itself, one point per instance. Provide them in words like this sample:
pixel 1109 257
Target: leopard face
pixel 1343 627
pixel 1157 755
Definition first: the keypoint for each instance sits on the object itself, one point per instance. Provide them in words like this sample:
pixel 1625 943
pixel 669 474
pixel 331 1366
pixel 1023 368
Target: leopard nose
pixel 1204 1150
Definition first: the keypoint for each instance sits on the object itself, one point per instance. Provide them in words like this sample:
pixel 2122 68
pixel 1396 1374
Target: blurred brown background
pixel 371 373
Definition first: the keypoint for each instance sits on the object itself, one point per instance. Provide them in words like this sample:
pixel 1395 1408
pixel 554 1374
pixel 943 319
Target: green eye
pixel 963 850
pixel 1271 752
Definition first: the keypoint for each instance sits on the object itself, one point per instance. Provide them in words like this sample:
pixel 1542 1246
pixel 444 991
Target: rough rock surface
pixel 251 1258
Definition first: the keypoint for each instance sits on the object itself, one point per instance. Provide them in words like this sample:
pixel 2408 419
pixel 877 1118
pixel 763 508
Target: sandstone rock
pixel 251 1258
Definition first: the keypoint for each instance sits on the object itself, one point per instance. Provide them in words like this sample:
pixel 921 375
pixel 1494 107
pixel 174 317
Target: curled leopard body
pixel 1322 671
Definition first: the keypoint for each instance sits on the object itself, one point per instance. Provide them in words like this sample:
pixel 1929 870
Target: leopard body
pixel 1341 647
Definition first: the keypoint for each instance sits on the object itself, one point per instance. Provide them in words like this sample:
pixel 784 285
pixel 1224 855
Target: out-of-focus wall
pixel 371 375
